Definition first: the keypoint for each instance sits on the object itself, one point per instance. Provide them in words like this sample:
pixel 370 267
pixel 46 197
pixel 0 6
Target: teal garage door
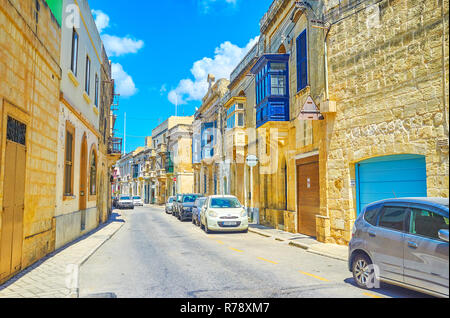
pixel 390 177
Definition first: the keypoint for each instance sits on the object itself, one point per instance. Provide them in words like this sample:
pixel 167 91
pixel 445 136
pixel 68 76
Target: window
pixel 278 86
pixel 96 90
pixel 393 218
pixel 278 66
pixel 93 174
pixel 240 106
pixel 88 76
pixel 224 203
pixel 190 198
pixel 240 120
pixel 231 122
pixel 426 223
pixel 371 215
pixel 74 57
pixel 68 165
pixel 302 61
pixel 16 131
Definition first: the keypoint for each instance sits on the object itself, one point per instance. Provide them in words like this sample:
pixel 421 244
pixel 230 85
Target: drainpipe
pixel 327 95
pixel 444 92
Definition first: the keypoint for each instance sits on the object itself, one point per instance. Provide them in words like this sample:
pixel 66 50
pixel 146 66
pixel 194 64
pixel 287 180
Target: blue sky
pixel 162 51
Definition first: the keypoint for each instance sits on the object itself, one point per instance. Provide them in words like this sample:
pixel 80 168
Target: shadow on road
pixel 114 217
pixel 391 290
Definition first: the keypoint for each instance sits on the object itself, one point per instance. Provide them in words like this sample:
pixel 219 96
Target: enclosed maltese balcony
pixel 272 90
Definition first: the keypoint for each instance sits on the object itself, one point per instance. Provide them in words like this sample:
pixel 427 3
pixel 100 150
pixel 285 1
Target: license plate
pixel 230 223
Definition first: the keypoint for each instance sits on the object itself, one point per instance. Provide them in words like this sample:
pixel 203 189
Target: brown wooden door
pixel 11 235
pixel 308 195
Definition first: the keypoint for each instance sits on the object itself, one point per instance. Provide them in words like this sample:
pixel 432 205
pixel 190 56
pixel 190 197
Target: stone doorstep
pixel 334 251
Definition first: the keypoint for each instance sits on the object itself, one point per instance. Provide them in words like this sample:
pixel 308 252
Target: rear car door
pixel 385 241
pixel 426 255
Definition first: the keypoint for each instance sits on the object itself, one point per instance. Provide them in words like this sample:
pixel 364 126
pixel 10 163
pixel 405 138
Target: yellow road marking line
pixel 314 276
pixel 372 295
pixel 220 242
pixel 236 250
pixel 266 260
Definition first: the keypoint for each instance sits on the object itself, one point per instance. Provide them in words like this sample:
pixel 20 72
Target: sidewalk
pixel 303 241
pixel 56 275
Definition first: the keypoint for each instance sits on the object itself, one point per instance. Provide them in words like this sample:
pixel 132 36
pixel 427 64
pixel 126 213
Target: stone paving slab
pixel 305 242
pixel 56 275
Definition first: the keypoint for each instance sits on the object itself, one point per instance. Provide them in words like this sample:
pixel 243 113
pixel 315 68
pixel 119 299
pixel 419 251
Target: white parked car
pixel 137 201
pixel 223 213
pixel 125 202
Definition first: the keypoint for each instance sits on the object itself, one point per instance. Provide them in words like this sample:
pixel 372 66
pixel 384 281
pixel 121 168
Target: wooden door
pixel 11 232
pixel 308 195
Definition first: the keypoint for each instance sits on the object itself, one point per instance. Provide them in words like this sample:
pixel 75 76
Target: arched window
pixel 93 173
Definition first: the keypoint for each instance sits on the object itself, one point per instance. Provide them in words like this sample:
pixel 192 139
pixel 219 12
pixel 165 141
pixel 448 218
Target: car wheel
pixel 207 230
pixel 362 271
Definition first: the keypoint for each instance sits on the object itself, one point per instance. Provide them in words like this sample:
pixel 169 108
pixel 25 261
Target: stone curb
pixel 75 292
pixel 306 247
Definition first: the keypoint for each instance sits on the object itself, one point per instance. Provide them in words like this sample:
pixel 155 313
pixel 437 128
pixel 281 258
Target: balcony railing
pixel 115 146
pixel 162 149
pixel 269 15
pixel 251 56
pixel 161 173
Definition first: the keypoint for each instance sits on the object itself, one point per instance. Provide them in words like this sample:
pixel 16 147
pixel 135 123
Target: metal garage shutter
pixel 390 177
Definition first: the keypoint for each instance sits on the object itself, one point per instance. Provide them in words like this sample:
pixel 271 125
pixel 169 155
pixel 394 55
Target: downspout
pixel 327 93
pixel 444 92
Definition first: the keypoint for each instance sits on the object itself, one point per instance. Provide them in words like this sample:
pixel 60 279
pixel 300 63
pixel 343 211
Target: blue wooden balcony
pixel 272 89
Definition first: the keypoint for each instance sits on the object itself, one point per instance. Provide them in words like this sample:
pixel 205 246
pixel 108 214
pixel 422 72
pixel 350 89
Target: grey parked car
pixel 186 205
pixel 402 242
pixel 176 204
pixel 169 205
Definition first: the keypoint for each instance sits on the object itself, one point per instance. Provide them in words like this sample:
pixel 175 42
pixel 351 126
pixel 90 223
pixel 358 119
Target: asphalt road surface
pixel 156 256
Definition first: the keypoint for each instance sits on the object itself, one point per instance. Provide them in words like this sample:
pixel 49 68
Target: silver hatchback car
pixel 402 242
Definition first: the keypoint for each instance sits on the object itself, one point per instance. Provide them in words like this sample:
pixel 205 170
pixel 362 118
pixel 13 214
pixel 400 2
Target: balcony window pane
pixel 241 120
pixel 278 66
pixel 278 85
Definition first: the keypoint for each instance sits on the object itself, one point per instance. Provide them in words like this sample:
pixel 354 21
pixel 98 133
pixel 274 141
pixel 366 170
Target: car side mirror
pixel 443 235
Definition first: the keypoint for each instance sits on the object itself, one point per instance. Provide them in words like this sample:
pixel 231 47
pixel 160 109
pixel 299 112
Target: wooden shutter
pixel 302 61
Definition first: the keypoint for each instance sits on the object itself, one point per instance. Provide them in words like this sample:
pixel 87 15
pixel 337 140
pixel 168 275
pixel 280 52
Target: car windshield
pixel 201 202
pixel 136 198
pixel 124 198
pixel 189 198
pixel 224 203
pixel 170 200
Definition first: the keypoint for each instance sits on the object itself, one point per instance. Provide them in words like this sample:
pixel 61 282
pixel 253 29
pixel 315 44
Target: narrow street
pixel 156 256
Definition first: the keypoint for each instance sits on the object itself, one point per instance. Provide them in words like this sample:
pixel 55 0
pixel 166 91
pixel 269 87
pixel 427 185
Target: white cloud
pixel 205 5
pixel 117 46
pixel 101 20
pixel 124 82
pixel 227 56
pixel 163 89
